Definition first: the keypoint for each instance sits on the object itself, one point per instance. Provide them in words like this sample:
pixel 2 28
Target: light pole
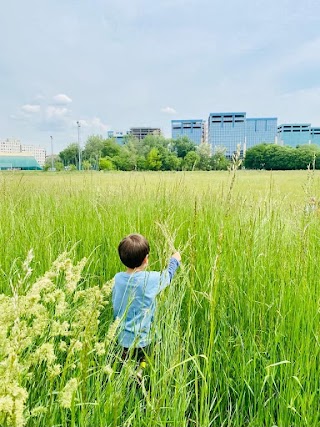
pixel 51 152
pixel 78 123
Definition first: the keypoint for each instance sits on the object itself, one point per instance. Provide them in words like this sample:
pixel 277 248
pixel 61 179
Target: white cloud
pixel 168 110
pixel 30 108
pixel 62 99
pixel 95 124
pixel 56 112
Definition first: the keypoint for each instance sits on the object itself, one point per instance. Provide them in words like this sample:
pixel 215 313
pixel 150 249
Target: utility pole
pixel 78 123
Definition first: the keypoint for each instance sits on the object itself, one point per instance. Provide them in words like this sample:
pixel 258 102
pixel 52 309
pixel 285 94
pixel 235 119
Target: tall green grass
pixel 236 335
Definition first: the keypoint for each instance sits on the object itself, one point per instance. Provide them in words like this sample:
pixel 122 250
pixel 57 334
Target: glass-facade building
pixel 118 136
pixel 261 130
pixel 293 134
pixel 315 135
pixel 226 130
pixel 193 129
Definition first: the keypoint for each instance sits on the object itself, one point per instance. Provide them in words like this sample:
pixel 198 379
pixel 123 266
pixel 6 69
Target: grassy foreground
pixel 237 333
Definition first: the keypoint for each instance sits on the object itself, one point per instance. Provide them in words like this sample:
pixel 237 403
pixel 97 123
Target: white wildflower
pixel 73 275
pixel 45 353
pixel 58 328
pixel 19 396
pixel 76 346
pixel 39 410
pixel 6 404
pixel 100 348
pixel 113 329
pixel 108 370
pixel 67 394
pixel 107 288
pixel 26 264
pixel 63 346
pixel 54 370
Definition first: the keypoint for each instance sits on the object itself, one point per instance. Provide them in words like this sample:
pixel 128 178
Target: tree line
pixel 277 157
pixel 155 153
pixel 158 153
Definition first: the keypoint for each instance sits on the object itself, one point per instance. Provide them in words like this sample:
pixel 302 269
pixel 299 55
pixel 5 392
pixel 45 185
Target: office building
pixel 11 145
pixel 226 131
pixel 193 129
pixel 141 132
pixel 293 134
pixel 315 135
pixel 118 136
pixel 38 153
pixel 261 130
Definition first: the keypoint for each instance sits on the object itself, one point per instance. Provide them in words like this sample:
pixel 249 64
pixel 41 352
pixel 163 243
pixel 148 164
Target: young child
pixel 134 294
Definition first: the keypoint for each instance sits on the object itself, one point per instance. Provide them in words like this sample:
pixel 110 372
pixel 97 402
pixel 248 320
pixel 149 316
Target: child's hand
pixel 177 256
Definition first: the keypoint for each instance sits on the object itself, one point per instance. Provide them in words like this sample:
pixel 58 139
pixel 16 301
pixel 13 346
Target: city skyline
pixel 113 66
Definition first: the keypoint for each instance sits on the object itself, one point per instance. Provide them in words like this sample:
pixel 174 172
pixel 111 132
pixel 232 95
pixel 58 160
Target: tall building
pixel 193 129
pixel 260 130
pixel 14 146
pixel 142 132
pixel 226 130
pixel 294 134
pixel 315 135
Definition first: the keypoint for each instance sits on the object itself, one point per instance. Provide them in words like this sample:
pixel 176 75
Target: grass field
pixel 237 333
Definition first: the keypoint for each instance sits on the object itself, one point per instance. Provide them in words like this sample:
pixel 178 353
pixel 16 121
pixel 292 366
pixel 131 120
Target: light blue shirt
pixel 134 302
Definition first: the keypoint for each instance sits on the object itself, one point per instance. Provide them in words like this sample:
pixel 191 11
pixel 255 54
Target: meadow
pixel 236 336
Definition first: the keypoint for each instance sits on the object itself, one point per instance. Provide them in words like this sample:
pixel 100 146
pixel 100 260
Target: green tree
pixel 111 148
pixel 105 164
pixel 171 162
pixel 182 146
pixel 93 149
pixel 255 157
pixel 124 161
pixel 48 162
pixel 154 160
pixel 275 157
pixel 70 155
pixel 204 151
pixel 58 166
pixel 86 165
pixel 191 161
pixel 219 160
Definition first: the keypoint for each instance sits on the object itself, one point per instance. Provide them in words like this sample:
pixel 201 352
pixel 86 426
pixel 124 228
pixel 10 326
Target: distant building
pixel 39 153
pixel 193 129
pixel 260 130
pixel 10 145
pixel 18 161
pixel 14 146
pixel 142 132
pixel 315 135
pixel 118 136
pixel 293 134
pixel 226 130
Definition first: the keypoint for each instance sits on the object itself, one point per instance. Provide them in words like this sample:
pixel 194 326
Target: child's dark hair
pixel 133 249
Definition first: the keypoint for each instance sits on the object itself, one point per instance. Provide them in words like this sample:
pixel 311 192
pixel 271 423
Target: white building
pixel 14 146
pixel 10 145
pixel 38 153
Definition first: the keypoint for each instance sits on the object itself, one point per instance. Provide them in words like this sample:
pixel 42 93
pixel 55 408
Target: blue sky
pixel 122 63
